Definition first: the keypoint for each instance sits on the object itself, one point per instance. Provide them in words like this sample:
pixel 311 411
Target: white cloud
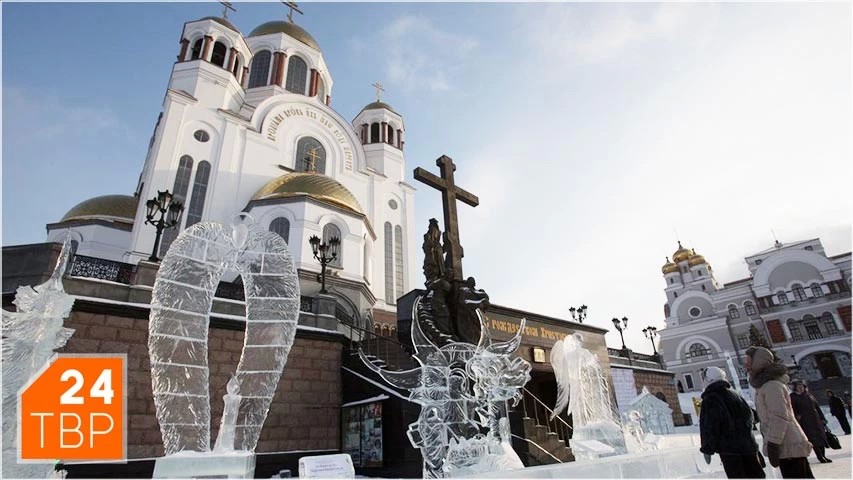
pixel 421 56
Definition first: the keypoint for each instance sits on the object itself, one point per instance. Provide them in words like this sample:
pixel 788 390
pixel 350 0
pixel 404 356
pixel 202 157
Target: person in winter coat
pixel 838 410
pixel 785 444
pixel 725 427
pixel 808 413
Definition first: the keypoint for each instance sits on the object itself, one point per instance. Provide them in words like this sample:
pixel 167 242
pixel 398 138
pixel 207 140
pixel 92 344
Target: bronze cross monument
pixel 449 194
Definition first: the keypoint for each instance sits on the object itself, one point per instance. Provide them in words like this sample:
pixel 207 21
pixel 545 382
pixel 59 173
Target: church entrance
pixel 827 365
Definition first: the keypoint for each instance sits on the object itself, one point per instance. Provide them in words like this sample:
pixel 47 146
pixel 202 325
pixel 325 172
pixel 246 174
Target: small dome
pixel 669 267
pixel 314 185
pixel 222 21
pixel 696 259
pixel 120 208
pixel 681 254
pixel 377 105
pixel 287 28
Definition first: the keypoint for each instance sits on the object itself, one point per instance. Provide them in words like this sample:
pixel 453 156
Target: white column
pixel 787 331
pixel 838 323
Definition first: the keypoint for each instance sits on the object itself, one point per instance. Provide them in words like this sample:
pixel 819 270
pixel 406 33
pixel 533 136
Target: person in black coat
pixel 811 419
pixel 725 427
pixel 838 410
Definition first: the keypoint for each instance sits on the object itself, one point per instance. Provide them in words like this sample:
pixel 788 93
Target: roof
pixel 290 29
pixel 378 105
pixel 314 185
pixel 778 246
pixel 112 207
pixel 222 21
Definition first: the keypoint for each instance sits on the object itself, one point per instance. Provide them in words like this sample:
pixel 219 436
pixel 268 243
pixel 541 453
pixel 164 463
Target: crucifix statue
pixel 292 6
pixel 379 90
pixel 227 6
pixel 452 297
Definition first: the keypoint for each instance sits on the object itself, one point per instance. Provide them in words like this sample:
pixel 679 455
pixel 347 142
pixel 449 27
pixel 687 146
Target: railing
pixel 101 269
pixel 534 408
pixel 306 304
pixel 394 354
pixel 647 358
pixel 531 442
pixel 807 301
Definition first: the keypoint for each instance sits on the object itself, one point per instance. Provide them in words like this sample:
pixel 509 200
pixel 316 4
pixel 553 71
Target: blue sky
pixel 590 132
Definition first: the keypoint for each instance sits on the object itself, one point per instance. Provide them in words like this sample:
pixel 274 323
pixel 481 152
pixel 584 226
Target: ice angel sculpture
pixel 178 328
pixel 30 337
pixel 448 429
pixel 582 386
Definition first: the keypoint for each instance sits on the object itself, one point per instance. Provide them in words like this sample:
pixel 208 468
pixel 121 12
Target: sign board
pixel 326 466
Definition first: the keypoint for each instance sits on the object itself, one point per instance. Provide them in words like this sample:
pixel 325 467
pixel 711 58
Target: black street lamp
pixel 170 215
pixel 651 333
pixel 326 254
pixel 578 314
pixel 621 329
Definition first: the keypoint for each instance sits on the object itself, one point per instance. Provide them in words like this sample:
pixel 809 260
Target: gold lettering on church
pixel 511 327
pixel 340 137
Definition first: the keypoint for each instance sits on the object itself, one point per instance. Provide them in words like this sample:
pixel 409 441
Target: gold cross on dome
pixel 227 6
pixel 379 90
pixel 292 6
pixel 311 158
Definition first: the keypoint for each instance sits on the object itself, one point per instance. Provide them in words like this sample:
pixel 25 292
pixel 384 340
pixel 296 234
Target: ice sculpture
pixel 655 414
pixel 30 336
pixel 583 387
pixel 453 410
pixel 634 435
pixel 178 329
pixel 228 425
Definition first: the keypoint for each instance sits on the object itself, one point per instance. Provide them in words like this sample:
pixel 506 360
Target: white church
pixel 247 126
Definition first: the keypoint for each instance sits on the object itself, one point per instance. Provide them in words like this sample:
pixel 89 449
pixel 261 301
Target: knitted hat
pixel 714 374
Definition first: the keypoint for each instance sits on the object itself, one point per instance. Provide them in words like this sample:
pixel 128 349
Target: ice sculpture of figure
pixel 30 336
pixel 582 386
pixel 634 434
pixel 228 424
pixel 448 429
pixel 180 310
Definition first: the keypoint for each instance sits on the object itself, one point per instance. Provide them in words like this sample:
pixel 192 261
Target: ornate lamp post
pixel 578 314
pixel 326 253
pixel 621 328
pixel 651 333
pixel 170 215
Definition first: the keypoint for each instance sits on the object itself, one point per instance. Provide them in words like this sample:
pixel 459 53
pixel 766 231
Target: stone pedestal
pixel 146 273
pixel 325 309
pixel 206 465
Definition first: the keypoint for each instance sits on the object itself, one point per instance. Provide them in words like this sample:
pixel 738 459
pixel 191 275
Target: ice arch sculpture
pixel 178 329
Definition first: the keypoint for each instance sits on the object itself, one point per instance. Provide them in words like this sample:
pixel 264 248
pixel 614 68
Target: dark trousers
pixel 842 419
pixel 742 466
pixel 795 468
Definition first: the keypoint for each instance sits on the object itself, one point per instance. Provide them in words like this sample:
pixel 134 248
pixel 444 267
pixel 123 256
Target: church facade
pixel 247 126
pixel 796 300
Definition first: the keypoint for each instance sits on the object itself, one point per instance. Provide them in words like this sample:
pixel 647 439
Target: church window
pixel 74 246
pixel 202 175
pixel 236 69
pixel 671 280
pixel 816 290
pixel 758 262
pixel 743 340
pixel 684 269
pixel 195 53
pixel 329 231
pixel 179 193
pixel 201 136
pixel 281 226
pixel 809 248
pixel 688 379
pixel 699 272
pixel 260 70
pixel 697 349
pixel 812 329
pixel 694 312
pixel 733 313
pixel 782 297
pixel 393 204
pixel 749 308
pixel 389 134
pixel 829 324
pixel 398 259
pixel 794 328
pixel 218 55
pixel 374 132
pixel 321 89
pixel 389 264
pixel 675 294
pixel 310 151
pixel 799 292
pixel 297 75
pixel 703 288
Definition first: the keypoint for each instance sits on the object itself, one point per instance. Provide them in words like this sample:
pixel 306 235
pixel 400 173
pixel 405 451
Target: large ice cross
pixel 449 194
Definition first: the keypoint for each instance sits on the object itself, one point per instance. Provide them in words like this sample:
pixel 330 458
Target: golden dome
pixel 314 185
pixel 120 208
pixel 287 28
pixel 696 259
pixel 681 254
pixel 377 105
pixel 669 267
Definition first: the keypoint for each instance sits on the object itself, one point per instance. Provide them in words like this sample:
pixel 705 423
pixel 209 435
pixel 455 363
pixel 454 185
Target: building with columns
pixel 797 298
pixel 247 126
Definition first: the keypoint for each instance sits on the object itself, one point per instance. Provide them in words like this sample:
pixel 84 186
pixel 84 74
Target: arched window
pixel 218 55
pixel 281 226
pixel 310 150
pixel 829 324
pixel 794 328
pixel 812 328
pixel 749 308
pixel 297 75
pixel 733 313
pixel 666 310
pixel 329 231
pixel 377 329
pixel 398 259
pixel 816 290
pixel 260 71
pixel 389 264
pixel 374 133
pixel 799 293
pixel 389 134
pixel 321 89
pixel 236 69
pixel 385 331
pixel 697 349
pixel 202 175
pixel 782 297
pixel 195 53
pixel 179 193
